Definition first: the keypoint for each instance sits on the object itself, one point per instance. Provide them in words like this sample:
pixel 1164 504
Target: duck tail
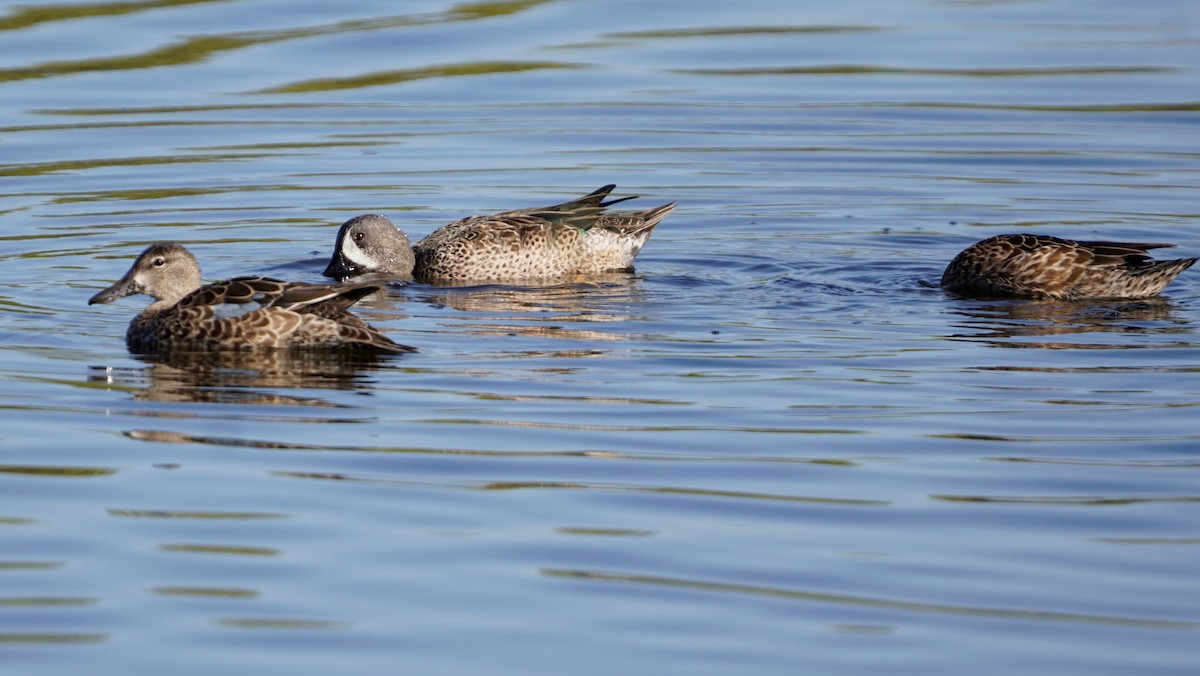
pixel 637 224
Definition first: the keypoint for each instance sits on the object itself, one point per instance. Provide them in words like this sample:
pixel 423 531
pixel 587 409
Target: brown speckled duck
pixel 1040 266
pixel 241 313
pixel 576 237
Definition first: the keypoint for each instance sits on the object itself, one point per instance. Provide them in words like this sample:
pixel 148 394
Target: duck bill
pixel 126 286
pixel 340 267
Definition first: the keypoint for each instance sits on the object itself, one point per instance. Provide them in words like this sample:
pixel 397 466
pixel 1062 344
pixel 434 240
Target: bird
pixel 240 313
pixel 575 237
pixel 1046 267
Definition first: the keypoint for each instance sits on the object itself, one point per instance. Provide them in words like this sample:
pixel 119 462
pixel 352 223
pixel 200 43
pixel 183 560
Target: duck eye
pixel 159 262
pixel 358 236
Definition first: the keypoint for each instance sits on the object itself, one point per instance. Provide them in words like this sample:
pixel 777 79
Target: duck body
pixel 1041 266
pixel 237 314
pixel 576 237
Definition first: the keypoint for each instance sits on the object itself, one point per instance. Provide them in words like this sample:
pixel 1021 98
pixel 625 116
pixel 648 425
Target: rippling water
pixel 775 448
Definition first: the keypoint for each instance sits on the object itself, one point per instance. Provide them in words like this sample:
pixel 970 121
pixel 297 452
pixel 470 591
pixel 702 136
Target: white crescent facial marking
pixel 355 254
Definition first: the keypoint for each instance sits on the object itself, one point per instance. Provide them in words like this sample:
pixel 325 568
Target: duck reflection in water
pixel 245 377
pixel 553 308
pixel 1012 323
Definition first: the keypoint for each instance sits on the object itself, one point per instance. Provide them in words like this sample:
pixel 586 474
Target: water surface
pixel 775 447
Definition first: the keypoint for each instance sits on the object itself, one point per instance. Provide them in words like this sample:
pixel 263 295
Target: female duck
pixel 1040 266
pixel 241 313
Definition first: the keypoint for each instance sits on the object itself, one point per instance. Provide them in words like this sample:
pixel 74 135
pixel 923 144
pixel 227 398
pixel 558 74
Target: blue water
pixel 777 447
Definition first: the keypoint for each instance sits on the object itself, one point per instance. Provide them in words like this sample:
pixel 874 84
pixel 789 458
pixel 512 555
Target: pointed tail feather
pixel 635 223
pixel 1155 276
pixel 1171 268
pixel 378 341
pixel 654 216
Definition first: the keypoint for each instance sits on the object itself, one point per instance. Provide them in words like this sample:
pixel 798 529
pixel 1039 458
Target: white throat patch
pixel 356 255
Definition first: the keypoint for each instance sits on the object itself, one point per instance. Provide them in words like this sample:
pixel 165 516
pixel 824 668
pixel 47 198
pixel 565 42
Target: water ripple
pixel 879 603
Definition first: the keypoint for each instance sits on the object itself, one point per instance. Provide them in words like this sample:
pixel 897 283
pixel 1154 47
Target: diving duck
pixel 1041 266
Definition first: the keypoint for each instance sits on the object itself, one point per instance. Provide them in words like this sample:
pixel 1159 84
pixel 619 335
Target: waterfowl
pixel 575 237
pixel 240 313
pixel 1040 266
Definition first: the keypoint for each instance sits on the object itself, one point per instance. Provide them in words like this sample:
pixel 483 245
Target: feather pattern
pixel 239 313
pixel 575 237
pixel 1041 266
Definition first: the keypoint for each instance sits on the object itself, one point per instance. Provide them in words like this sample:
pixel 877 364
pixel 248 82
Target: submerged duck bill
pixel 122 288
pixel 340 268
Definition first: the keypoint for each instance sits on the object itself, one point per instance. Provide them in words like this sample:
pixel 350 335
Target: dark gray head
pixel 370 244
pixel 165 272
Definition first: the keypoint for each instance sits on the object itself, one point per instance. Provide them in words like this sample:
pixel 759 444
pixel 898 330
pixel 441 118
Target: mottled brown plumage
pixel 576 237
pixel 1040 266
pixel 241 313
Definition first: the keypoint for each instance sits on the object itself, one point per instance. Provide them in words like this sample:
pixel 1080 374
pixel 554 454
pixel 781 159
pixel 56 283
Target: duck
pixel 575 237
pixel 1046 267
pixel 240 313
